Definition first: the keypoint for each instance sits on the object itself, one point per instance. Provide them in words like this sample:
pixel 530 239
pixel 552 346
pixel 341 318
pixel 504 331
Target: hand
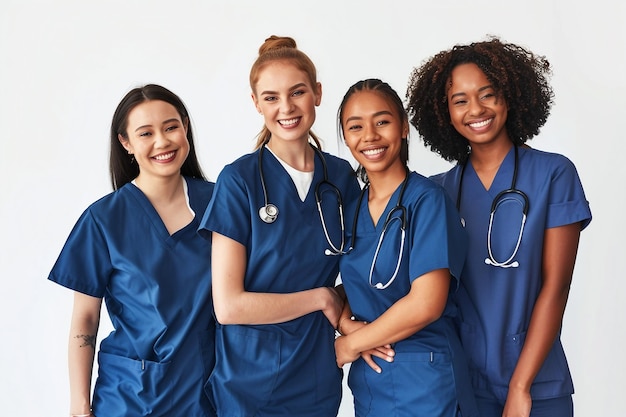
pixel 518 403
pixel 343 352
pixel 334 306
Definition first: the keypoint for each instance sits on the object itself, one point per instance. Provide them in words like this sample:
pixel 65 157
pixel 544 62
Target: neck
pixel 489 157
pixel 297 154
pixel 384 183
pixel 162 189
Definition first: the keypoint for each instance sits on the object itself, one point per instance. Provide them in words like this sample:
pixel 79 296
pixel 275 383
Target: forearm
pixel 543 329
pixel 269 308
pixel 559 257
pixel 423 305
pixel 81 352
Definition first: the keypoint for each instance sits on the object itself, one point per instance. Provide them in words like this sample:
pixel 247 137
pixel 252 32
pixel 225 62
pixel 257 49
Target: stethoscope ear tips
pixel 268 213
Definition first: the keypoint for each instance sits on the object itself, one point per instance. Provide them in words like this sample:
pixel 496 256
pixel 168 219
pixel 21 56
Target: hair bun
pixel 277 42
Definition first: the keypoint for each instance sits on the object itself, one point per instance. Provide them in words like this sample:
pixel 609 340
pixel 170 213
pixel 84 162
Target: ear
pixel 318 94
pixel 186 125
pixel 405 129
pixel 125 143
pixel 256 103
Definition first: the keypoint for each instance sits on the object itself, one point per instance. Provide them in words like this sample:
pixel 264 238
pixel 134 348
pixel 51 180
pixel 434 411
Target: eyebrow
pixel 488 86
pixel 299 85
pixel 173 119
pixel 378 113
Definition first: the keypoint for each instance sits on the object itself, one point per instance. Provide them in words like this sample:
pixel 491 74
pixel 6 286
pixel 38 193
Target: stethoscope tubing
pixel 490 260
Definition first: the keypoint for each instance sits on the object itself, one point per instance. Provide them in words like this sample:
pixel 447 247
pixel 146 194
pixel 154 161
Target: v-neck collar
pixel 155 219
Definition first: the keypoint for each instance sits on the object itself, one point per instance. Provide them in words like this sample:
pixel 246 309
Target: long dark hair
pixel 121 166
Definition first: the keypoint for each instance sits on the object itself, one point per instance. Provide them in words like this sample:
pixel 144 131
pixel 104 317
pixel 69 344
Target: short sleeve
pixel 438 240
pixel 228 212
pixel 567 202
pixel 84 264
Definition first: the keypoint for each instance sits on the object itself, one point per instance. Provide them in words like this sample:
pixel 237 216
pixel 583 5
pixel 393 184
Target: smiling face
pixel 157 138
pixel 373 130
pixel 285 97
pixel 476 111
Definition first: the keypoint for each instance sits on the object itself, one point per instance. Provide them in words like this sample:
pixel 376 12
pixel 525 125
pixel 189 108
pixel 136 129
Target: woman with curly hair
pixel 523 209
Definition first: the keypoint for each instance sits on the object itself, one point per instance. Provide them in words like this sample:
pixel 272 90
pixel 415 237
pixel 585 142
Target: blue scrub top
pixel 157 290
pixel 496 303
pixel 288 368
pixel 429 375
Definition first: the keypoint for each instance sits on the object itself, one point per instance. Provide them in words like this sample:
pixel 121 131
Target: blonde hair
pixel 281 48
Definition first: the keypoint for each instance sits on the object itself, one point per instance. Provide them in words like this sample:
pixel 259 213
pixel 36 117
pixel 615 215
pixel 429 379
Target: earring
pixel 132 159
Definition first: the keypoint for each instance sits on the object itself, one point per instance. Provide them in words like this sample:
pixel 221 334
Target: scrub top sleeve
pixel 228 212
pixel 567 201
pixel 84 264
pixel 437 238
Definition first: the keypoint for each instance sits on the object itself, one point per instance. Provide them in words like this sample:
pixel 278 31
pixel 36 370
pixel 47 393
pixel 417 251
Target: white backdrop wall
pixel 64 65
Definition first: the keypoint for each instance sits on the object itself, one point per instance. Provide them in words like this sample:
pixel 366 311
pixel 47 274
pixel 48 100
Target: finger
pixel 368 360
pixel 382 355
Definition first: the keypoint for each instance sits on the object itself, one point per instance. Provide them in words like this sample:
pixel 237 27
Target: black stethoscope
pixel 494 205
pixel 390 217
pixel 269 212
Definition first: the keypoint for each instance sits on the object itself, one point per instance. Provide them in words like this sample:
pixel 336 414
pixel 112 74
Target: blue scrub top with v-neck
pixel 157 290
pixel 429 374
pixel 496 303
pixel 285 369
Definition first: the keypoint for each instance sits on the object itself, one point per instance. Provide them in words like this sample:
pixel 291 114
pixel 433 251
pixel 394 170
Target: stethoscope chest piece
pixel 268 213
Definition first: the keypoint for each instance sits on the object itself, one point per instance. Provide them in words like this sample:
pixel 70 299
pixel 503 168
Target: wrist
pixel 341 321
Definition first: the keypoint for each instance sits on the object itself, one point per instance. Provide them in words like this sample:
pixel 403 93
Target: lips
pixel 165 156
pixel 481 124
pixel 373 153
pixel 288 123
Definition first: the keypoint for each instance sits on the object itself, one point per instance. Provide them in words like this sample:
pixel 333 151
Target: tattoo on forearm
pixel 88 340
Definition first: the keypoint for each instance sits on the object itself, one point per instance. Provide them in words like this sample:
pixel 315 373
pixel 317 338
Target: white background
pixel 64 66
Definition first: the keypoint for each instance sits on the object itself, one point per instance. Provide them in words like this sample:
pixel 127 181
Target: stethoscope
pixel 390 218
pixel 269 212
pixel 494 205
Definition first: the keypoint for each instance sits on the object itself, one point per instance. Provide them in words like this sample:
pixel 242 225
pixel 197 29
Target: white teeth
pixel 289 122
pixel 164 156
pixel 372 152
pixel 481 124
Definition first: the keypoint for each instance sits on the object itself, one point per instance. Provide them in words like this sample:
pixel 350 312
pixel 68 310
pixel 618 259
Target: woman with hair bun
pixel 276 225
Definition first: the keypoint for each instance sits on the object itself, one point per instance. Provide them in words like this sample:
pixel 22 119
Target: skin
pixel 373 131
pixel 479 114
pixel 157 139
pixel 287 100
pixel 471 100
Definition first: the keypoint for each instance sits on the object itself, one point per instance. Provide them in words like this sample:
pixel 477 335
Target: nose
pixel 286 106
pixel 370 133
pixel 476 107
pixel 161 140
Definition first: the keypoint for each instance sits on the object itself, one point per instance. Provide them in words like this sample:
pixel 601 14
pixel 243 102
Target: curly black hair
pixel 518 75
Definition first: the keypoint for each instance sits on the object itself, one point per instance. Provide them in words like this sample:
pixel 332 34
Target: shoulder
pixel 448 178
pixel 199 184
pixel 420 187
pixel 544 157
pixel 336 162
pixel 243 166
pixel 113 200
pixel 199 191
pixel 543 162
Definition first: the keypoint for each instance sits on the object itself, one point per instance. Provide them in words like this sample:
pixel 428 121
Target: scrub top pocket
pixel 406 387
pixel 245 373
pixel 133 387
